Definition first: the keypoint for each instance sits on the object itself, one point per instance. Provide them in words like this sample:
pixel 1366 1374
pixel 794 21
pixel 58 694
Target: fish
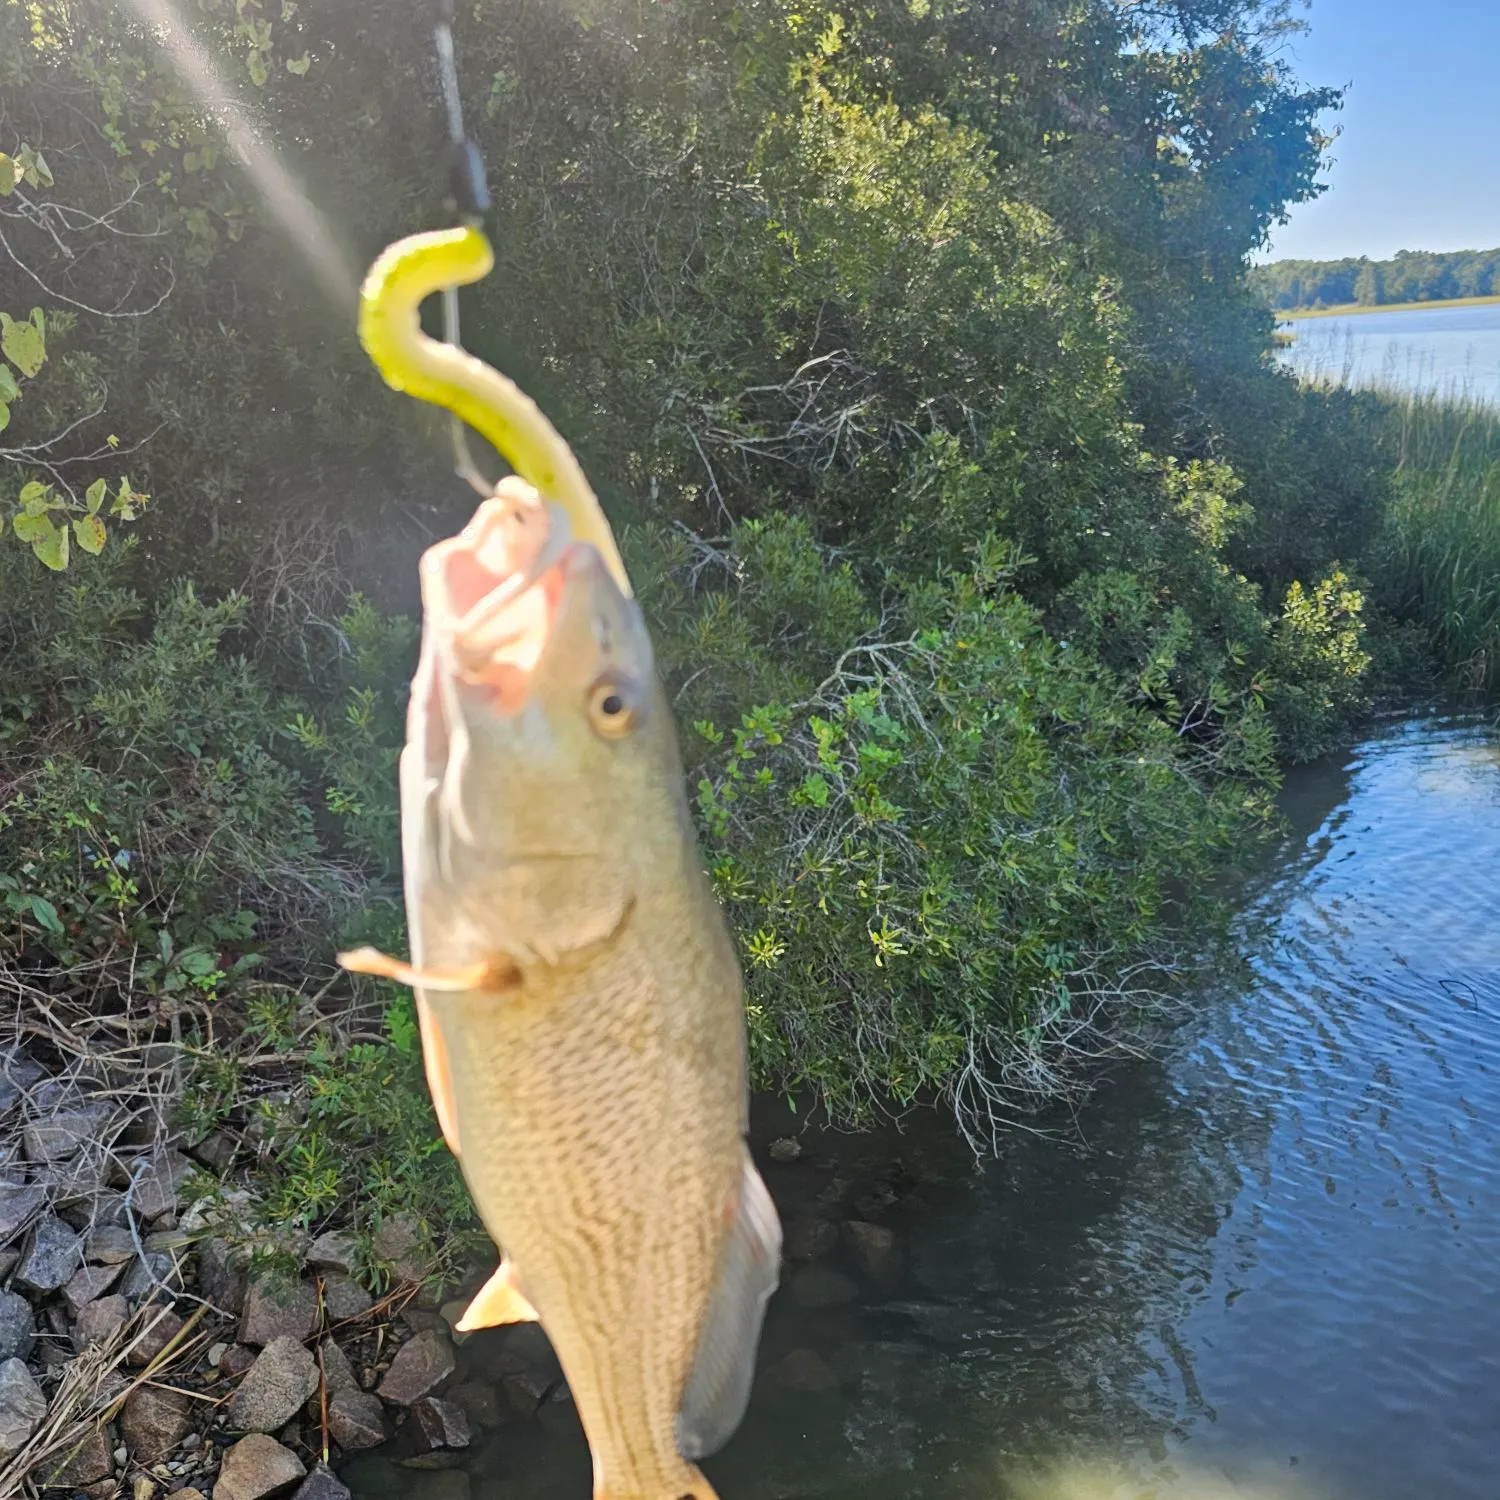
pixel 579 997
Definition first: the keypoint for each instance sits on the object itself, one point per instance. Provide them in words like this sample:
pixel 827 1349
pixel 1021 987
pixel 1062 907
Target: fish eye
pixel 612 708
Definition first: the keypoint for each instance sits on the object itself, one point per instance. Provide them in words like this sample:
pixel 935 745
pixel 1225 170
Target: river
pixel 1437 350
pixel 1270 1256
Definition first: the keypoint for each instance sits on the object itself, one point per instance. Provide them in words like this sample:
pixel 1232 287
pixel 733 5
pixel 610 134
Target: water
pixel 1440 350
pixel 1274 1252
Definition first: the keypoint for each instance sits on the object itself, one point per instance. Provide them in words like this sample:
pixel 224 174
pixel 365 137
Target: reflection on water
pixel 1264 1265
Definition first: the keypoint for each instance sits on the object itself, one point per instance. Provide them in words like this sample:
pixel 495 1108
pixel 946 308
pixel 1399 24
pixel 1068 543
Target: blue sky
pixel 1418 164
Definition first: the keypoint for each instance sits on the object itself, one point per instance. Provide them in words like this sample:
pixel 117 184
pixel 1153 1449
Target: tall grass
pixel 1444 541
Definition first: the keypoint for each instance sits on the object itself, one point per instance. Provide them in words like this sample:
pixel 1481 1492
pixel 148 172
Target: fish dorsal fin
pixel 718 1386
pixel 499 1301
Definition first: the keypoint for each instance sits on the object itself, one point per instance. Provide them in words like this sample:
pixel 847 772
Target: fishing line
pixel 470 199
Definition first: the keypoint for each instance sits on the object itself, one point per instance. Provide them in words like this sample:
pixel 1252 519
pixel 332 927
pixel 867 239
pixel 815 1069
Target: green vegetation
pixel 1413 278
pixel 993 564
pixel 1442 564
pixel 1349 308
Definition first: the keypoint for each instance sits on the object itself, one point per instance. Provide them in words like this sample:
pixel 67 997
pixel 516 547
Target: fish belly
pixel 599 1135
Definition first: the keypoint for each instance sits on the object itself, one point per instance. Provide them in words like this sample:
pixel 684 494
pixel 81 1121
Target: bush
pixel 167 874
pixel 945 842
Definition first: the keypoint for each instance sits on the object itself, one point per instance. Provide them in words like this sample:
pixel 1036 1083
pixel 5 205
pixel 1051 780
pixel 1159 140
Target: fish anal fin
pixel 493 975
pixel 499 1301
pixel 718 1386
pixel 439 1082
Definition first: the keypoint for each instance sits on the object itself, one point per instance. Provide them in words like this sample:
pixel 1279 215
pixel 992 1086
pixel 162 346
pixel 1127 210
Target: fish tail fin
pixel 684 1483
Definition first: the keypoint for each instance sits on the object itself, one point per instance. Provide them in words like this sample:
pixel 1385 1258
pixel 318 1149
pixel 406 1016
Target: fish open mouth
pixel 492 592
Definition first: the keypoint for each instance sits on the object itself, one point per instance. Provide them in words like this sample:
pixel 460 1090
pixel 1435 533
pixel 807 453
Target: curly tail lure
pixel 390 330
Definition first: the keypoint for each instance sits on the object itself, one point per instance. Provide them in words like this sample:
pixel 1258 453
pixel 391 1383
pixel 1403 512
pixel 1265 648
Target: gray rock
pixel 334 1251
pixel 18 1207
pixel 154 1421
pixel 787 1148
pixel 338 1373
pixel 223 1274
pixel 76 1183
pixel 99 1321
pixel 103 1206
pixel 278 1305
pixel 810 1238
pixel 156 1184
pixel 322 1484
pixel 147 1277
pixel 56 1137
pixel 88 1284
pixel 356 1420
pixel 22 1406
pixel 815 1286
pixel 51 1256
pixel 479 1402
pixel 877 1253
pixel 398 1244
pixel 163 1327
pixel 92 1461
pixel 344 1298
pixel 108 1245
pixel 255 1467
pixel 419 1319
pixel 17 1326
pixel 215 1151
pixel 276 1385
pixel 442 1424
pixel 420 1366
pixel 235 1360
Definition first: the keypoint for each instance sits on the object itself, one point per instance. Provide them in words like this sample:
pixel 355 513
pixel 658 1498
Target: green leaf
pixel 90 533
pixel 256 63
pixel 4 416
pixel 9 389
pixel 299 65
pixel 46 913
pixel 25 344
pixel 36 498
pixel 10 175
pixel 34 167
pixel 52 550
pixel 197 961
pixel 129 503
pixel 32 528
pixel 95 495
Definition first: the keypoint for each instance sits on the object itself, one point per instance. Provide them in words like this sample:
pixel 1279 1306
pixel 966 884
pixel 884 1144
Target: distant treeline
pixel 1413 276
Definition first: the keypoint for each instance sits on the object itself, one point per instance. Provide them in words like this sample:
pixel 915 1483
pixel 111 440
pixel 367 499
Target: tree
pixel 51 513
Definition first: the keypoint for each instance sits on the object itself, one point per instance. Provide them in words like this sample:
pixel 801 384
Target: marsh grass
pixel 1442 555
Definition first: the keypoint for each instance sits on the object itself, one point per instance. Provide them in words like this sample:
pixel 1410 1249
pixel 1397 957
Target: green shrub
pixel 946 841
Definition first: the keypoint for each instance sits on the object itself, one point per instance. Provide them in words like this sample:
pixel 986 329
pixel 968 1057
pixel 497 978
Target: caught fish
pixel 579 997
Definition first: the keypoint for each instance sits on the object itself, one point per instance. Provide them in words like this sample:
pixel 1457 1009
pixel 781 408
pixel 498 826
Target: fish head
pixel 548 758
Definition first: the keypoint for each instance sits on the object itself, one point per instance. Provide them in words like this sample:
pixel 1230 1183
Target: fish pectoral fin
pixel 493 975
pixel 718 1386
pixel 497 1302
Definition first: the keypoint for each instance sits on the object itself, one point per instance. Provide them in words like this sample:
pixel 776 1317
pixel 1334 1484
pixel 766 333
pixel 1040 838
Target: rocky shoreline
pixel 156 1341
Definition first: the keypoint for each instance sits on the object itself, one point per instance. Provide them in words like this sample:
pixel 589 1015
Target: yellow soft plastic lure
pixel 390 329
